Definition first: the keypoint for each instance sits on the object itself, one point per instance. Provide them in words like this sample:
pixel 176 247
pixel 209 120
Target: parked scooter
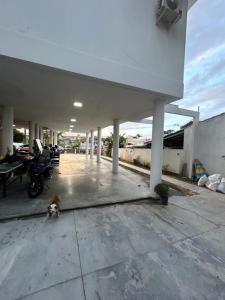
pixel 40 168
pixel 38 173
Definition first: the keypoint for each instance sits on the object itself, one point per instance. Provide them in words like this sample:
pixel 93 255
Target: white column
pixel 51 137
pixel 41 134
pixel 36 131
pixel 31 135
pixel 92 145
pixel 25 135
pixel 87 144
pixel 116 129
pixel 193 142
pixel 157 145
pixel 56 138
pixel 7 130
pixel 99 150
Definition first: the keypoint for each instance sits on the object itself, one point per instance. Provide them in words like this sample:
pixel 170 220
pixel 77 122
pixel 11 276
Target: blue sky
pixel 204 75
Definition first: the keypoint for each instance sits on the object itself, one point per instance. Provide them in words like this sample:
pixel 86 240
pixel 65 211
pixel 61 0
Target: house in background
pixel 209 148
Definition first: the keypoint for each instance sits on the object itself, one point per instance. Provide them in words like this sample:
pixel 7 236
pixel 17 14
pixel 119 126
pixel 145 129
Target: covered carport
pixel 43 97
pixel 119 65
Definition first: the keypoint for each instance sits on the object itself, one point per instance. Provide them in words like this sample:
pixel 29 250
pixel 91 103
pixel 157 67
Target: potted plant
pixel 162 190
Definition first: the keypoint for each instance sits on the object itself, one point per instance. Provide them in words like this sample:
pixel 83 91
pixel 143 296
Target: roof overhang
pixel 191 3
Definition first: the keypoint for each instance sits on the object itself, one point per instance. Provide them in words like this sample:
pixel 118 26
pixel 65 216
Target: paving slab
pixel 135 251
pixel 108 236
pixel 69 290
pixel 185 221
pixel 211 209
pixel 207 251
pixel 36 254
pixel 165 274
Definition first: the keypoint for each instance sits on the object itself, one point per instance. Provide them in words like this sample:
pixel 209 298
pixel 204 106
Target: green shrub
pixel 162 190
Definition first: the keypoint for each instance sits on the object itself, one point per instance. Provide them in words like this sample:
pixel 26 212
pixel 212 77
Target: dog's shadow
pixel 51 219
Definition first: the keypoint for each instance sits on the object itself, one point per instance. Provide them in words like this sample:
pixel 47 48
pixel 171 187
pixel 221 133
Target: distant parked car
pixel 24 148
pixel 17 145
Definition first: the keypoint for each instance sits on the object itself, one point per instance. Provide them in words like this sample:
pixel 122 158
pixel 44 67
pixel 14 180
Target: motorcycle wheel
pixel 35 188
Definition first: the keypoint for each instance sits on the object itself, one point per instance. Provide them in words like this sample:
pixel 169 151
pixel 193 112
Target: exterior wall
pixel 172 161
pixel 129 154
pixel 211 144
pixel 111 40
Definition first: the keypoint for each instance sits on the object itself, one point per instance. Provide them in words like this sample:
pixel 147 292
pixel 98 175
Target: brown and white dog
pixel 54 208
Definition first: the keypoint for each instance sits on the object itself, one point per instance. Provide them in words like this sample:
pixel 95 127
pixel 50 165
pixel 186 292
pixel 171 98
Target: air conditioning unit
pixel 168 12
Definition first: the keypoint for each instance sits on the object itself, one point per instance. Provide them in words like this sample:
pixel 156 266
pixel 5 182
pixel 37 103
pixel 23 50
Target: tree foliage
pixel 18 137
pixel 109 143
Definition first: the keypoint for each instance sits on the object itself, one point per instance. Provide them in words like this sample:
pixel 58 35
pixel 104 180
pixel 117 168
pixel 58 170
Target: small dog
pixel 54 208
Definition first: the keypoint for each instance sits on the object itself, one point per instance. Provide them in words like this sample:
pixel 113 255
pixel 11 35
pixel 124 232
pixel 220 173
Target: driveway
pixel 132 251
pixel 79 182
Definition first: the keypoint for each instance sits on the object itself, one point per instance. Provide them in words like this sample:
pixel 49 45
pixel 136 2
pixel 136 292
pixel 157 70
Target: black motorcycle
pixel 38 173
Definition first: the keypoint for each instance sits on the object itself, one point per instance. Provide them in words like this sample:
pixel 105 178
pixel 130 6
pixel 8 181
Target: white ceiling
pixel 46 96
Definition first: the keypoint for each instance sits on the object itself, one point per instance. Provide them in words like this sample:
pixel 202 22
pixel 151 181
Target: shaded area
pixel 79 182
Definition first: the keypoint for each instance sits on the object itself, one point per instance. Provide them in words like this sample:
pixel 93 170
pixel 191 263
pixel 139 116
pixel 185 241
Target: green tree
pixel 18 137
pixel 169 131
pixel 109 143
pixel 76 144
pixel 61 140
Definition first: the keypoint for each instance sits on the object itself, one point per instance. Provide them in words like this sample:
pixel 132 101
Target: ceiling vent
pixel 168 12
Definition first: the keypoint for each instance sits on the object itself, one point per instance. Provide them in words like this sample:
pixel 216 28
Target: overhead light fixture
pixel 78 104
pixel 14 125
pixel 71 126
pixel 73 120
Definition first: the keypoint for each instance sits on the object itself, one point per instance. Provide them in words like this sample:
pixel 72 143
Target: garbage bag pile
pixel 215 182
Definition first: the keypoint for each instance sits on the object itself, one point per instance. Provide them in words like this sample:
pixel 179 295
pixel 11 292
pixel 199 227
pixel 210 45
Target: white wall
pixel 172 161
pixel 211 144
pixel 113 40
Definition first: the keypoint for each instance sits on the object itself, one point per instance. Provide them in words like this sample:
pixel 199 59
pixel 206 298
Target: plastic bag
pixel 202 181
pixel 215 178
pixel 221 186
pixel 212 185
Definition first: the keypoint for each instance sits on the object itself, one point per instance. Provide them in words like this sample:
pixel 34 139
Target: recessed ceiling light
pixel 78 104
pixel 73 120
pixel 71 126
pixel 14 125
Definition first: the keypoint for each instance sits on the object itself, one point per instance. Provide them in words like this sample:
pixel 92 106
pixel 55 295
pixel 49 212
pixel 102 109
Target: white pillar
pixel 92 145
pixel 193 142
pixel 41 134
pixel 36 131
pixel 51 137
pixel 99 150
pixel 56 138
pixel 157 146
pixel 87 144
pixel 7 130
pixel 31 135
pixel 116 129
pixel 25 135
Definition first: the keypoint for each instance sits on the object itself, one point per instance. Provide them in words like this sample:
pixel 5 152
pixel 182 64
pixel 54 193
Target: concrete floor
pixel 79 183
pixel 132 251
